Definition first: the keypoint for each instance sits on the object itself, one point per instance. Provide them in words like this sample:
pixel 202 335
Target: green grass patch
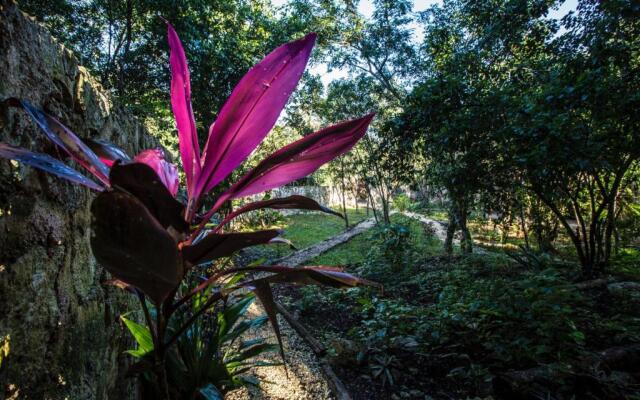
pixel 357 249
pixel 308 228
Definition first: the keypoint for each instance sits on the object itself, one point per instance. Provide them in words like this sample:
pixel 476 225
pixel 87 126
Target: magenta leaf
pixel 291 202
pixel 48 164
pixel 252 110
pixel 217 245
pixel 298 159
pixel 167 172
pixel 66 140
pixel 132 245
pixel 181 106
pixel 142 182
pixel 107 152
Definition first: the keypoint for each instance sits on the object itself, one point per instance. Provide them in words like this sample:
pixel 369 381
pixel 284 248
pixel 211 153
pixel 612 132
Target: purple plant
pixel 149 241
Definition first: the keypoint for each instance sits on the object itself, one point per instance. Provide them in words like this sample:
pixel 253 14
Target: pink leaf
pixel 301 157
pixel 252 110
pixel 295 161
pixel 167 172
pixel 181 106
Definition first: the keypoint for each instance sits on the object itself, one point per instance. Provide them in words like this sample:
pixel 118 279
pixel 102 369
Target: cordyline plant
pixel 149 241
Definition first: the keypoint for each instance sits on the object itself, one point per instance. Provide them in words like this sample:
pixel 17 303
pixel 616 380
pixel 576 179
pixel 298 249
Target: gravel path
pixel 305 380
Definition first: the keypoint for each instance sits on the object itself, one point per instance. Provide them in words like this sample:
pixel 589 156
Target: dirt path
pixel 439 228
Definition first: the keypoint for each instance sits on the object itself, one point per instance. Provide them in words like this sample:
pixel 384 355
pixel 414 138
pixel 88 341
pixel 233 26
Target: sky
pixel 365 7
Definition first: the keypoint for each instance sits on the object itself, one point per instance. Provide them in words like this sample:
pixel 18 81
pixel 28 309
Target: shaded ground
pixel 466 326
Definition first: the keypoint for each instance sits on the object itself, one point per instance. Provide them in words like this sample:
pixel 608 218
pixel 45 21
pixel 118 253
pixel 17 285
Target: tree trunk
pixel 451 230
pixel 344 195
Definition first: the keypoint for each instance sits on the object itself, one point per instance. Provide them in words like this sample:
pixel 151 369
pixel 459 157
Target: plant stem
pixel 161 371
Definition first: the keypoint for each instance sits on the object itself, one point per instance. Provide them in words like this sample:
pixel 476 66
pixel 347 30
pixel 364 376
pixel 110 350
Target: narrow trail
pixel 306 379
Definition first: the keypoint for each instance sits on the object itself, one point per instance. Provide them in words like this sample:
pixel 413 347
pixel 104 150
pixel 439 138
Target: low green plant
pixel 401 202
pixel 210 358
pixel 391 243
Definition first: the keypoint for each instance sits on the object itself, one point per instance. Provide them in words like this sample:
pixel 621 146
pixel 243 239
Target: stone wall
pixel 65 340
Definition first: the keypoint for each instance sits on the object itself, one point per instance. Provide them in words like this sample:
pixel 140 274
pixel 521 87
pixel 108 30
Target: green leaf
pixel 242 327
pixel 142 335
pixel 228 318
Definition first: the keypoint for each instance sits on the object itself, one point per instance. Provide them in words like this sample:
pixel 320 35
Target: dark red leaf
pixel 317 275
pixel 264 294
pixel 217 245
pixel 132 245
pixel 291 202
pixel 142 182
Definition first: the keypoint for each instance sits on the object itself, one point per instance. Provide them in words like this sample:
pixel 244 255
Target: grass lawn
pixel 357 249
pixel 308 228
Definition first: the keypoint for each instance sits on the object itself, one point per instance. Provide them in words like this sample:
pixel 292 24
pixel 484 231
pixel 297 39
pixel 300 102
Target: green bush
pixel 401 202
pixel 391 244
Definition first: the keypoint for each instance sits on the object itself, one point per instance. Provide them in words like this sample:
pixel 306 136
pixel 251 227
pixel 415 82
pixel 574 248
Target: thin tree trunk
pixel 344 195
pixel 451 230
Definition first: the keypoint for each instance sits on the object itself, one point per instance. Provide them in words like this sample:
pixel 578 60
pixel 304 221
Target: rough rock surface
pixel 64 337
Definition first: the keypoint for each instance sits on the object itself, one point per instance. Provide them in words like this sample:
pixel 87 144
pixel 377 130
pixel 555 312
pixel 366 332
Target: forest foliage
pixel 493 109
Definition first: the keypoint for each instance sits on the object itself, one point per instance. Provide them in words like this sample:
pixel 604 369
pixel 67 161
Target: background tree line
pixel 501 107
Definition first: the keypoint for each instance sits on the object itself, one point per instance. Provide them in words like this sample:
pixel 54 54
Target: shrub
pixel 153 244
pixel 401 202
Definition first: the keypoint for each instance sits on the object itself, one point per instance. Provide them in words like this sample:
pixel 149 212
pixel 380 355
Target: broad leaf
pixel 252 110
pixel 66 140
pixel 142 336
pixel 133 246
pixel 181 106
pixel 297 160
pixel 291 202
pixel 106 151
pixel 217 245
pixel 47 164
pixel 141 181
